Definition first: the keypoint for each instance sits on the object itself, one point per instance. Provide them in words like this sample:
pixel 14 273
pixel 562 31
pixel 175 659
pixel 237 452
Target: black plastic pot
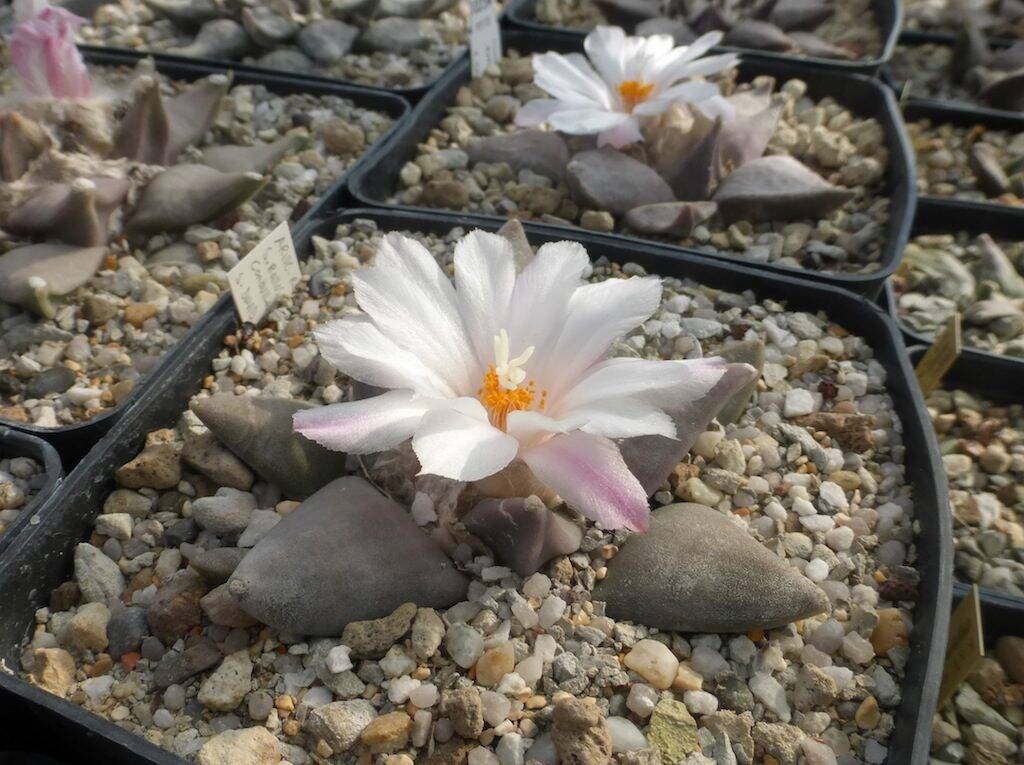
pixel 377 180
pixel 981 113
pixel 521 15
pixel 44 558
pixel 14 443
pixel 73 441
pixel 944 216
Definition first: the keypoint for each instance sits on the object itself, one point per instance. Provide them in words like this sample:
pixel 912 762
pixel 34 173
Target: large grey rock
pixel 541 151
pixel 259 431
pixel 996 266
pixel 606 179
pixel 632 9
pixel 651 458
pixel 523 532
pixel 347 553
pixel 696 571
pixel 327 40
pixel 287 60
pixel 777 188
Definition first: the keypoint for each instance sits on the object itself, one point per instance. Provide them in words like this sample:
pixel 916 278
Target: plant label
pixel 270 270
pixel 484 36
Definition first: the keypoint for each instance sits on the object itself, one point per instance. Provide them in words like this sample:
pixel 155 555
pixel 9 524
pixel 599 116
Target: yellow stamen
pixel 634 92
pixel 501 401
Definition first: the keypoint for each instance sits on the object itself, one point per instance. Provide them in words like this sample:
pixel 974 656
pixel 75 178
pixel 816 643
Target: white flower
pixel 625 78
pixel 503 366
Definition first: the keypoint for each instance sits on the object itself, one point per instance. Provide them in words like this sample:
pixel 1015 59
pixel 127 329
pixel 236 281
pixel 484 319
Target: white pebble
pixel 482 756
pixel 495 707
pixel 799 401
pixel 551 611
pixel 537 586
pixel 424 696
pixel 626 737
pixel 338 660
pixel 423 509
pixel 700 702
pixel 770 692
pixel 641 700
pixel 817 570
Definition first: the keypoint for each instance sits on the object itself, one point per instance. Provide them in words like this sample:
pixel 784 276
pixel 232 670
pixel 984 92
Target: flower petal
pixel 537 111
pixel 485 275
pixel 413 303
pixel 598 314
pixel 541 296
pixel 589 473
pixel 529 427
pixel 688 92
pixel 624 418
pixel 462 446
pixel 622 134
pixel 665 384
pixel 604 47
pixel 366 426
pixel 586 121
pixel 355 346
pixel 561 78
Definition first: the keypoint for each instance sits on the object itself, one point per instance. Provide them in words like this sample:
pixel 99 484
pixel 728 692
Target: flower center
pixel 503 391
pixel 634 92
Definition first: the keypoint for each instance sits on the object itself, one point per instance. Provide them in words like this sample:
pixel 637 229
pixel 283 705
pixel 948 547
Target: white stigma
pixel 510 372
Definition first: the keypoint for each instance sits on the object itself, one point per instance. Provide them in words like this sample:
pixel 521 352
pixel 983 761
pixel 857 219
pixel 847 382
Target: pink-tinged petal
pixel 590 475
pixel 586 121
pixel 485 275
pixel 537 111
pixel 661 383
pixel 356 346
pixel 413 303
pixel 624 418
pixel 702 68
pixel 462 445
pixel 44 54
pixel 363 427
pixel 622 134
pixel 597 315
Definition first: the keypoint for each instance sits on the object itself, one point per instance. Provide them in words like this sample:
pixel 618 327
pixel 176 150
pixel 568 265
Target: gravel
pixel 852 26
pixel 945 273
pixel 93 352
pixel 21 478
pixel 400 53
pixel 983 452
pixel 944 168
pixel 544 676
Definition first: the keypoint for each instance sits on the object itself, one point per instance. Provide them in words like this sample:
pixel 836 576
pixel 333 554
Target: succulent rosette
pixel 501 367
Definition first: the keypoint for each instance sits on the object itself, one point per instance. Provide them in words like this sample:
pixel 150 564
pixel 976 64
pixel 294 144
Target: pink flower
pixel 44 54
